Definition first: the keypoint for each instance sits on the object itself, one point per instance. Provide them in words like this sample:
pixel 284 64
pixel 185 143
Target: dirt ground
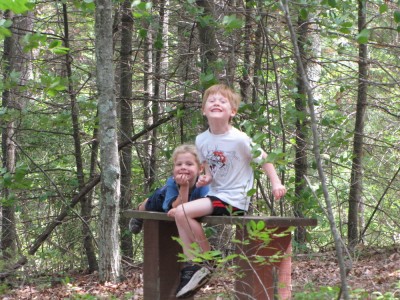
pixel 373 273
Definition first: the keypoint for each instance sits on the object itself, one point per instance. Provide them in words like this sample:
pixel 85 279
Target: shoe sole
pixel 199 279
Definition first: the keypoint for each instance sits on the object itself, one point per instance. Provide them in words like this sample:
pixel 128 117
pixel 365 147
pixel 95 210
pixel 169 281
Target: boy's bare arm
pixel 278 189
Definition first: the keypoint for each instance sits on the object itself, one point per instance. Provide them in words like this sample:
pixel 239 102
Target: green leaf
pixel 60 50
pixel 396 16
pixel 383 8
pixel 363 36
pixel 260 225
pixel 54 44
pixel 232 22
pixel 345 30
pixel 304 14
pixel 332 3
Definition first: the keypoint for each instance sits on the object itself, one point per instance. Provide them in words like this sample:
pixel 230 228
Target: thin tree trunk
pixel 245 86
pixel 109 254
pixel 302 125
pixel 126 125
pixel 316 149
pixel 148 94
pixel 85 205
pixel 358 142
pixel 208 42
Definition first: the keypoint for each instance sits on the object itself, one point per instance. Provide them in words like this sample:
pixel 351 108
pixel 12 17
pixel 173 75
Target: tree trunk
pixel 245 87
pixel 317 155
pixel 126 125
pixel 302 125
pixel 109 254
pixel 148 94
pixel 85 204
pixel 358 142
pixel 15 61
pixel 208 42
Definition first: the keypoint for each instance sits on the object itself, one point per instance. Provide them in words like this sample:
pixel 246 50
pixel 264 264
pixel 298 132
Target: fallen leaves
pixel 372 271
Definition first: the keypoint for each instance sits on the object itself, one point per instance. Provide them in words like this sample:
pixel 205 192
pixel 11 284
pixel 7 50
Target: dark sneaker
pixel 193 277
pixel 135 225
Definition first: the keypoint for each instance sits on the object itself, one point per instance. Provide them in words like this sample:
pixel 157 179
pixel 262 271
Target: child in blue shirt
pixel 179 188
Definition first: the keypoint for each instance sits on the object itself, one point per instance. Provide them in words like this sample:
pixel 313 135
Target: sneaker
pixel 135 225
pixel 193 277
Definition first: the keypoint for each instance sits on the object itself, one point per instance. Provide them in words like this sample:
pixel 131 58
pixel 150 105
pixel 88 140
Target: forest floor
pixel 375 272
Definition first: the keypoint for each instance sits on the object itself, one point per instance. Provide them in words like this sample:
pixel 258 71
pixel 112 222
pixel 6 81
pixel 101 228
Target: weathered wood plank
pixel 270 221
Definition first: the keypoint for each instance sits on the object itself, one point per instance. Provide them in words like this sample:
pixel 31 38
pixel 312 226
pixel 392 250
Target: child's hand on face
pixel 278 191
pixel 203 180
pixel 182 179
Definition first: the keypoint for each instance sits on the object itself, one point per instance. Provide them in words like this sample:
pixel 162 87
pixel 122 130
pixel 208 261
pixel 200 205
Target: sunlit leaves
pixel 16 6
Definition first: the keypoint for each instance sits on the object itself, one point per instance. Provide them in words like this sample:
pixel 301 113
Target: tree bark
pixel 358 141
pixel 126 125
pixel 86 209
pixel 208 42
pixel 317 155
pixel 17 61
pixel 109 253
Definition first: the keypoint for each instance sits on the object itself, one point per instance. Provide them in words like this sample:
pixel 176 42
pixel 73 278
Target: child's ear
pixel 233 113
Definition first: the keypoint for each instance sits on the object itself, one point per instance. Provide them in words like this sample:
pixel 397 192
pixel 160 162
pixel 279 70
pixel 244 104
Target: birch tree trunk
pixel 109 254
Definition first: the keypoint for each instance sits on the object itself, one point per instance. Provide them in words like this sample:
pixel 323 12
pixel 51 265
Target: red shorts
pixel 221 208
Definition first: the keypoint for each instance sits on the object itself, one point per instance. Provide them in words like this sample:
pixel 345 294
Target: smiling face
pixel 217 106
pixel 187 165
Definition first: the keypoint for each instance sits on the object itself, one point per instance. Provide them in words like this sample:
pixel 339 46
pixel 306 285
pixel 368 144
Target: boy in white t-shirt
pixel 227 155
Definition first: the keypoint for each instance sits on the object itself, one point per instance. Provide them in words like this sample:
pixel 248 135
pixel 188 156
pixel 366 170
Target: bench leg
pixel 259 281
pixel 161 270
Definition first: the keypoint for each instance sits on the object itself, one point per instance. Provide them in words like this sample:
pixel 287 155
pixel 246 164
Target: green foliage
pixel 311 293
pixel 232 23
pixel 4 25
pixel 363 36
pixel 4 288
pixel 396 16
pixel 16 6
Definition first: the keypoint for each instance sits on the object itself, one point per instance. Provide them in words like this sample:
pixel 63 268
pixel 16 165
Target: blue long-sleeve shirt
pixel 173 192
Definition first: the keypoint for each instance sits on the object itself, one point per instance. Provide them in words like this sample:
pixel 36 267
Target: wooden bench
pixel 161 269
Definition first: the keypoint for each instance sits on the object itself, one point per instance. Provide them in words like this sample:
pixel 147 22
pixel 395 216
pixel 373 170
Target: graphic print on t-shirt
pixel 220 162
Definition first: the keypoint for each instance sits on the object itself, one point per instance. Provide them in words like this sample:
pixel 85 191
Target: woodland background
pixel 110 88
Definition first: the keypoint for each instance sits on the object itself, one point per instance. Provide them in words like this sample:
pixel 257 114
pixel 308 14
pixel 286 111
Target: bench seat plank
pixel 270 221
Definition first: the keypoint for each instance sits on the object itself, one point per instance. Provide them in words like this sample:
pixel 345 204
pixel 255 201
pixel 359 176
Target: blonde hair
pixel 233 97
pixel 186 148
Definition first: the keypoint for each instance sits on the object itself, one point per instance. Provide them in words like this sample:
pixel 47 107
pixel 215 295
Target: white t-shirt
pixel 228 156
